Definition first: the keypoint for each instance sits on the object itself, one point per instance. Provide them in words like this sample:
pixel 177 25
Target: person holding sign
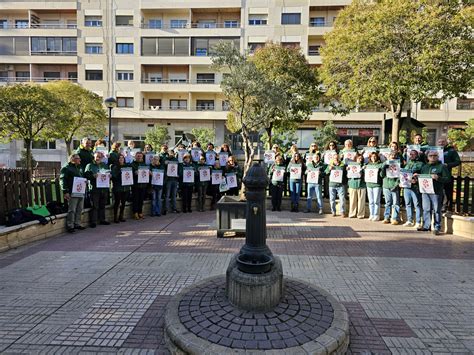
pixel 187 174
pixel 213 189
pixel 172 181
pixel 337 185
pixel 141 179
pixel 164 153
pixel 203 177
pixel 295 169
pixel 85 152
pixel 313 149
pixel 370 148
pixel 391 189
pixel 314 181
pixel 330 152
pixel 233 175
pixel 451 160
pixel 277 177
pixel 99 179
pixel 348 154
pixel 373 174
pixel 114 154
pixel 157 182
pixel 210 156
pixel 121 186
pixel 433 176
pixel 411 193
pixel 73 185
pixel 357 187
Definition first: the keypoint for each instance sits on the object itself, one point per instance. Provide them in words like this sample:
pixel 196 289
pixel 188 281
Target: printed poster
pixel 405 178
pixel 210 158
pixel 329 155
pixel 354 171
pixel 172 169
pixel 393 169
pixel 309 159
pixel 195 154
pixel 103 180
pixel 223 159
pixel 336 176
pixel 371 175
pixel 143 175
pixel 295 172
pixel 223 186
pixel 313 177
pixel 149 158
pixel 425 183
pixel 79 187
pixel 231 180
pixel 216 177
pixel 349 155
pixel 278 174
pixel 157 177
pixel 411 147
pixel 385 154
pixel 127 176
pixel 204 174
pixel 188 175
pixel 181 153
pixel 269 157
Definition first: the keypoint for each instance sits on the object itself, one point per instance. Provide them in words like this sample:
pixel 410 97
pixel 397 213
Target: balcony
pixel 319 26
pixel 40 30
pixel 182 85
pixel 192 29
pixel 188 113
pixel 329 3
pixel 13 80
pixel 184 4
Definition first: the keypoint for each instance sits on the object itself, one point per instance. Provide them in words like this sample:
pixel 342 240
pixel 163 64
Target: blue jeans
pixel 171 191
pixel 156 202
pixel 432 204
pixel 314 190
pixel 374 200
pixel 335 192
pixel 412 200
pixel 295 190
pixel 392 201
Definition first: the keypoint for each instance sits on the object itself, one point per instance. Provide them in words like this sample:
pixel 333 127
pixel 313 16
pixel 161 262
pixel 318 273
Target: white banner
pixel 425 183
pixel 172 169
pixel 295 172
pixel 216 177
pixel 393 169
pixel 204 174
pixel 269 157
pixel 278 174
pixel 103 180
pixel 405 178
pixel 313 177
pixel 223 158
pixel 210 158
pixel 79 187
pixel 157 177
pixel 353 171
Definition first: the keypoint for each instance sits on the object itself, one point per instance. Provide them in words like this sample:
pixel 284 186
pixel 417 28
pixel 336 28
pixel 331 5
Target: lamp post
pixel 110 103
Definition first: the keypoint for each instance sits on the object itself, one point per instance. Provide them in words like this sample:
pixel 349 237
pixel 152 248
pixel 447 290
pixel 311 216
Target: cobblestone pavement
pixel 105 290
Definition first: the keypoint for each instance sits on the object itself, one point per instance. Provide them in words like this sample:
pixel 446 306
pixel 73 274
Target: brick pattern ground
pixel 105 290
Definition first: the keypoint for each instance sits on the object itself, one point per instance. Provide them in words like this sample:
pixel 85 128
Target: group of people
pixel 419 173
pixel 135 174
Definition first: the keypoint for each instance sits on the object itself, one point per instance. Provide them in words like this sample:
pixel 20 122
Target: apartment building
pixel 154 57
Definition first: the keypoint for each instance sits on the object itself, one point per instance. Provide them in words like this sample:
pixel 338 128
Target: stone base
pixel 254 292
pixel 308 320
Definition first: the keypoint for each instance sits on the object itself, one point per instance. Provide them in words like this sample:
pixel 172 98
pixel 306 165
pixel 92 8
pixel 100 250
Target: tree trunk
pixel 68 147
pixel 396 114
pixel 29 168
pixel 269 133
pixel 249 153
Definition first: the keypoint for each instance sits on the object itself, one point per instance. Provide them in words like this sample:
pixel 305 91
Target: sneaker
pixel 419 225
pixel 361 217
pixel 395 222
pixel 80 228
pixel 421 229
pixel 320 211
pixel 371 218
pixel 376 219
pixel 408 224
pixel 436 232
pixel 334 214
pixel 386 221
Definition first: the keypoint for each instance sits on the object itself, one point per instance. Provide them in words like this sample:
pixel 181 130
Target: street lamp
pixel 110 103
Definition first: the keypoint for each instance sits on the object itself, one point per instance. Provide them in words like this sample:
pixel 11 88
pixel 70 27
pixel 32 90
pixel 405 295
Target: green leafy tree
pixel 282 137
pixel 289 70
pixel 81 113
pixel 204 135
pixel 462 138
pixel 390 52
pixel 28 112
pixel 157 136
pixel 325 134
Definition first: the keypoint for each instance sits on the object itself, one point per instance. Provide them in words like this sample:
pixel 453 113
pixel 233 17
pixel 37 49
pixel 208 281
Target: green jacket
pixel 116 172
pixel 270 174
pixel 181 169
pixel 319 166
pixel 357 183
pixel 443 175
pixel 113 157
pixel 380 176
pixel 135 167
pixel 86 156
pixel 341 167
pixel 415 166
pixel 91 170
pixel 68 173
pixel 451 158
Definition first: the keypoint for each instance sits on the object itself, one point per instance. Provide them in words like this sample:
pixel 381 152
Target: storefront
pixel 358 133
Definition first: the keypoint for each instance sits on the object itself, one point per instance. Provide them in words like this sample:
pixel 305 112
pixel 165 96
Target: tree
pixel 81 113
pixel 28 112
pixel 204 135
pixel 283 137
pixel 157 136
pixel 391 52
pixel 462 138
pixel 289 70
pixel 322 136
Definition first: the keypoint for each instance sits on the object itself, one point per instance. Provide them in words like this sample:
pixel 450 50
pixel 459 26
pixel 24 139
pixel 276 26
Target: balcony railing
pixel 34 79
pixel 319 23
pixel 38 26
pixel 58 53
pixel 190 25
pixel 181 108
pixel 313 52
pixel 179 81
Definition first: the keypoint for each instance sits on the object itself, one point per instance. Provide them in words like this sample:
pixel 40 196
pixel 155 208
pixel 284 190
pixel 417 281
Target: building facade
pixel 154 57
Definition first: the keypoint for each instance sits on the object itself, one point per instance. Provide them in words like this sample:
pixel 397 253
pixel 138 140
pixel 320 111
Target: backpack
pixel 55 207
pixel 42 211
pixel 22 215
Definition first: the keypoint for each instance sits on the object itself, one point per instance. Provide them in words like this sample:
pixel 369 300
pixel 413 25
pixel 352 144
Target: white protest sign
pixel 196 154
pixel 336 176
pixel 223 158
pixel 313 177
pixel 353 171
pixel 103 180
pixel 405 178
pixel 181 153
pixel 231 180
pixel 143 175
pixel 188 175
pixel 349 155
pixel 157 177
pixel 149 158
pixel 269 157
pixel 393 169
pixel 127 176
pixel 210 158
pixel 78 187
pixel 425 183
pixel 216 177
pixel 295 172
pixel 204 174
pixel 278 174
pixel 329 155
pixel 172 169
pixel 371 175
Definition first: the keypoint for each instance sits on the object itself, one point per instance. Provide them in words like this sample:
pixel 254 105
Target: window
pixel 53 45
pixel 93 21
pixel 178 136
pixel 254 46
pixel 48 75
pixel 206 24
pixel 317 22
pixel 177 77
pixel 204 105
pixel 139 140
pixel 93 74
pixel 430 104
pixel 22 75
pixel 178 23
pixel 155 77
pixel 123 20
pixel 72 75
pixel 290 44
pixel 124 101
pixel 154 104
pixel 154 23
pixel 3 24
pixel 165 46
pixel 94 48
pixel 43 145
pixel 178 104
pixel 291 19
pixel 124 48
pixel 257 20
pixel 125 75
pixel 3 76
pixel 231 24
pixel 464 104
pixel 70 45
pixel 314 50
pixel 205 78
pixel 21 24
pixel 204 46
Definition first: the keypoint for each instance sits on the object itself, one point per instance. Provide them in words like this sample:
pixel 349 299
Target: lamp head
pixel 110 102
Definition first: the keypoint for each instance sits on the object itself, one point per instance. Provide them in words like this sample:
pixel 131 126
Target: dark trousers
pixel 138 196
pixel 120 199
pixel 202 190
pixel 448 191
pixel 187 195
pixel 98 202
pixel 276 192
pixel 213 191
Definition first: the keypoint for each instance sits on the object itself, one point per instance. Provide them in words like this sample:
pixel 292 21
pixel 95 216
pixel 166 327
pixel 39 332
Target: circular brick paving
pixel 302 316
